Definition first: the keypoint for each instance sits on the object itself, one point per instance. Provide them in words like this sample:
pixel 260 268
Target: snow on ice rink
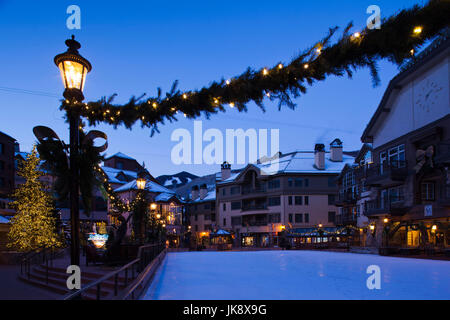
pixel 295 275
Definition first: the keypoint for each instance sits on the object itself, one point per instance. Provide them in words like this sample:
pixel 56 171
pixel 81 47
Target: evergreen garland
pixel 397 40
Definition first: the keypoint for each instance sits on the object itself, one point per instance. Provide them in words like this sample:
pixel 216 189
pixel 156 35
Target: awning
pixel 220 232
pixel 311 232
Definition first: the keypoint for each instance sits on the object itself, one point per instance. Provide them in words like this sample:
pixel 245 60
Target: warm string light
pixel 417 30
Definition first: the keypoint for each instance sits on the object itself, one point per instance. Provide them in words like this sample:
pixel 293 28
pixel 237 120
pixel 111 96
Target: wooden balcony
pixel 443 153
pixel 394 206
pixel 248 190
pixel 386 173
pixel 254 207
pixel 346 198
pixel 346 219
pixel 444 196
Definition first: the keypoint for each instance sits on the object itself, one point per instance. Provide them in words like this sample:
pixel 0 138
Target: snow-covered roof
pixel 150 186
pixel 210 196
pixel 297 162
pixel 4 219
pixel 121 155
pixel 164 196
pixel 112 174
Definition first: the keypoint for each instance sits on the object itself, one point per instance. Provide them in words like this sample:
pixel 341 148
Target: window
pixel 2 148
pixel 290 200
pixel 331 199
pixel 224 191
pixel 274 218
pixel 196 228
pixel 274 201
pixel 224 207
pixel 119 165
pixel 207 217
pixel 299 183
pixel 290 217
pixel 306 200
pixel 427 189
pixel 298 200
pixel 235 190
pixel 195 217
pixel 306 182
pixel 2 165
pixel 235 205
pixel 331 216
pixel 213 217
pixel 207 206
pixel 306 217
pixel 349 179
pixel 396 156
pixel 298 218
pixel 290 182
pixel 236 221
pixel 395 194
pixel 208 227
pixel 274 184
pixel 224 221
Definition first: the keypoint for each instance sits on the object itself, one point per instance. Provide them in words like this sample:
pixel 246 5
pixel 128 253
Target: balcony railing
pixel 346 197
pixel 394 205
pixel 253 223
pixel 443 153
pixel 248 190
pixel 254 207
pixel 444 196
pixel 345 219
pixel 394 170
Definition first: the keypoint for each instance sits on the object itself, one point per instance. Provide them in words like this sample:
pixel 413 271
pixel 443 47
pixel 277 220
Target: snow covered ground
pixel 296 275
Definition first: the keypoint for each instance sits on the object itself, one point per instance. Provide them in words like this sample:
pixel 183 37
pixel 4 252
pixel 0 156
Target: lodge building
pixel 293 192
pixel 403 192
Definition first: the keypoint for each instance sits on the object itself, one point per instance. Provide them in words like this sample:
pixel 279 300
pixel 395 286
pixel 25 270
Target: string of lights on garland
pixel 115 201
pixel 397 40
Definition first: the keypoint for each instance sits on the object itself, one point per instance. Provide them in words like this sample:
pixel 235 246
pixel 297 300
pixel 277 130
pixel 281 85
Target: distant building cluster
pixel 392 194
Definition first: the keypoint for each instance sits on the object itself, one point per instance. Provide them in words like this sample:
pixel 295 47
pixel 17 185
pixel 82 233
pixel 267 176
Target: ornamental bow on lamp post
pixel 73 68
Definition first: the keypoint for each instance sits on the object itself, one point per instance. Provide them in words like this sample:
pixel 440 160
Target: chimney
pixel 203 191
pixel 319 156
pixel 336 150
pixel 194 193
pixel 226 171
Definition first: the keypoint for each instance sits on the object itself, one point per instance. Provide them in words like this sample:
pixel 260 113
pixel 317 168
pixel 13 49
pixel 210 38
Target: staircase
pixel 54 279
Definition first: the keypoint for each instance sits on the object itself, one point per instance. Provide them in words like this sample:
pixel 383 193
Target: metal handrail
pixel 141 261
pixel 29 257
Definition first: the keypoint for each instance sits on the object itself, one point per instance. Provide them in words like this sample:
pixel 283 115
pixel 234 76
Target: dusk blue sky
pixel 137 46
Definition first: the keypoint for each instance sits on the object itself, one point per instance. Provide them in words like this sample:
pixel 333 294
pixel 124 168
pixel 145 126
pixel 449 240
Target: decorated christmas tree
pixel 33 226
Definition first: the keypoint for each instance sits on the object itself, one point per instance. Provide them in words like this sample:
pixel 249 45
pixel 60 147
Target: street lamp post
pixel 73 68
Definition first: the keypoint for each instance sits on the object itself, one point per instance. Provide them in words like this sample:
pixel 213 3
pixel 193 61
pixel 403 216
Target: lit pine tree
pixel 33 226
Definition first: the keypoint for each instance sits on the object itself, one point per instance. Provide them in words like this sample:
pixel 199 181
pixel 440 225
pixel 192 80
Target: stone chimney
pixel 319 156
pixel 336 150
pixel 226 171
pixel 203 191
pixel 194 193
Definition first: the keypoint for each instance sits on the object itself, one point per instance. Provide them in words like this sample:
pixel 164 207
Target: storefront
pixel 263 240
